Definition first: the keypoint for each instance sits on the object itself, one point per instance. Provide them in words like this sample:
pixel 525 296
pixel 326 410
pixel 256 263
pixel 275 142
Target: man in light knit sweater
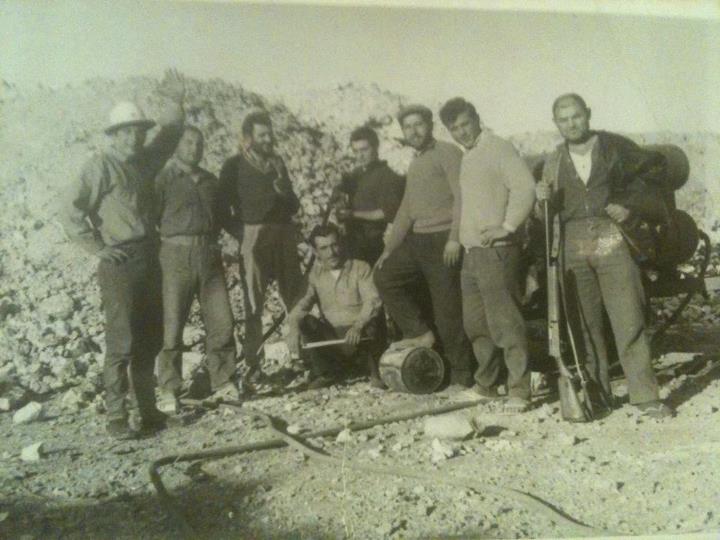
pixel 497 195
pixel 423 246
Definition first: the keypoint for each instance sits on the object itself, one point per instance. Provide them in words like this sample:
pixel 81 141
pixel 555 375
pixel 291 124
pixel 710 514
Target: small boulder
pixel 440 452
pixel 448 426
pixel 32 453
pixel 29 413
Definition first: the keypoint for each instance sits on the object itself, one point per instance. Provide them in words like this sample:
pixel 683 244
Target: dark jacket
pixel 634 176
pixel 249 194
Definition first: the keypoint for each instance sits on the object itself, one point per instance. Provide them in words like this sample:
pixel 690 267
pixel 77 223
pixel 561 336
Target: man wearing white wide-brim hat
pixel 109 212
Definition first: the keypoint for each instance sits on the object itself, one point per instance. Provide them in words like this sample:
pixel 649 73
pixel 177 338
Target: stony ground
pixel 621 473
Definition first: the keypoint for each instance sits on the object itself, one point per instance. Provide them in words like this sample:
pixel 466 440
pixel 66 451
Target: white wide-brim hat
pixel 127 113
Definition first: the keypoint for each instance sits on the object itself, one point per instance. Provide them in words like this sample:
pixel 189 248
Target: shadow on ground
pixel 212 508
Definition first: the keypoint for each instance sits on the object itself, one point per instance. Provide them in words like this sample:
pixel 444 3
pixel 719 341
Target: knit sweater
pixel 431 202
pixel 496 188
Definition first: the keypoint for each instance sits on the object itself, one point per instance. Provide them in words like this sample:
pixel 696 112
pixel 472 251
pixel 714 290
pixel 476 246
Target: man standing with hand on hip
pixel 498 194
pixel 110 213
pixel 601 183
pixel 423 246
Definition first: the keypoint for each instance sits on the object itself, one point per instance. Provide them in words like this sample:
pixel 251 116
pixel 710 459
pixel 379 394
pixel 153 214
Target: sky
pixel 638 73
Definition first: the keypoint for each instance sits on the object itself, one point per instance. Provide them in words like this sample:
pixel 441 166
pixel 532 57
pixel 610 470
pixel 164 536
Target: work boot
pixel 120 429
pixel 655 409
pixel 319 382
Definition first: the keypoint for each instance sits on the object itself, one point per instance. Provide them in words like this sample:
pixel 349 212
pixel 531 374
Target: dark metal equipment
pixel 415 370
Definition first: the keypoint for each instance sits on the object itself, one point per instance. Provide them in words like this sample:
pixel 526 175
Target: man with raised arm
pixel 109 211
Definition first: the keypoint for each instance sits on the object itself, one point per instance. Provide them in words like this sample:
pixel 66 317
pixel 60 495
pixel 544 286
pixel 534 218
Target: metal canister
pixel 413 369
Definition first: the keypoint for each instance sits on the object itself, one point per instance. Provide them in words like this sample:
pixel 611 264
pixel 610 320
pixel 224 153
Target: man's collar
pixel 429 146
pixel 112 152
pixel 475 142
pixel 325 269
pixel 262 163
pixel 593 134
pixel 373 165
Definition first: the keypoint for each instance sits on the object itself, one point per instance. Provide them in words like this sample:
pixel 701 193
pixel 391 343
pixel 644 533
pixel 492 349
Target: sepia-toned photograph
pixel 359 269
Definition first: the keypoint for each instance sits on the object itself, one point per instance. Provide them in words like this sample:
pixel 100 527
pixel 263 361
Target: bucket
pixel 413 369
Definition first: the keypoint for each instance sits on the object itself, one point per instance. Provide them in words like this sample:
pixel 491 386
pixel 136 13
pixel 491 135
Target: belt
pixel 190 240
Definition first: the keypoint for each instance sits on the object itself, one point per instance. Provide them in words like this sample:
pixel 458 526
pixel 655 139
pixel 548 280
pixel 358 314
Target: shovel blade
pixel 571 406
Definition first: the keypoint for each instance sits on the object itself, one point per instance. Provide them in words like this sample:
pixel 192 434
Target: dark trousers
pixel 420 258
pixel 269 251
pixel 365 241
pixel 130 293
pixel 336 361
pixel 605 275
pixel 491 315
pixel 189 270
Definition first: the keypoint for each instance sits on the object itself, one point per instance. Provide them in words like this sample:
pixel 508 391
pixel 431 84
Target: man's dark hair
pixel 324 231
pixel 576 97
pixel 254 118
pixel 455 107
pixel 365 133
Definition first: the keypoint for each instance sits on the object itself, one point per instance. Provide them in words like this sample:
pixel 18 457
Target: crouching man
pixel 190 258
pixel 349 305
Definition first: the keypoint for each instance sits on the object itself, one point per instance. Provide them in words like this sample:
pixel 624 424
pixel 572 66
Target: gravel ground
pixel 622 473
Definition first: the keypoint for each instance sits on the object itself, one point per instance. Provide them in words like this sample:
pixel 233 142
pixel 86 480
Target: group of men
pixel 438 250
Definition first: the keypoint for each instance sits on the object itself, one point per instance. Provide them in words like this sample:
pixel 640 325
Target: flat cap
pixel 415 108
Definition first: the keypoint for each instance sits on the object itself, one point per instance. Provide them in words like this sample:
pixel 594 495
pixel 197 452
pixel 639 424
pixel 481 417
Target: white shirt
pixel 583 160
pixel 583 165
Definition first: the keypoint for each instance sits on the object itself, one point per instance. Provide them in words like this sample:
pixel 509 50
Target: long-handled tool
pixel 572 407
pixel 278 320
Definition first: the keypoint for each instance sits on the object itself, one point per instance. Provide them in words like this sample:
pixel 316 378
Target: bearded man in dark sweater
pixel 260 203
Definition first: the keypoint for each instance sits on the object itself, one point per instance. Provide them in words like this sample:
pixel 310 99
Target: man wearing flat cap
pixel 109 212
pixel 423 248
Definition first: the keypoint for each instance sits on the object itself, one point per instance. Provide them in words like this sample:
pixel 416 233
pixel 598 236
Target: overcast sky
pixel 637 73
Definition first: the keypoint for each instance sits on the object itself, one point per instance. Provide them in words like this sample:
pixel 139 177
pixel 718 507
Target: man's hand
pixel 353 335
pixel 344 214
pixel 451 253
pixel 113 255
pixel 488 235
pixel 381 259
pixel 617 213
pixel 173 86
pixel 543 191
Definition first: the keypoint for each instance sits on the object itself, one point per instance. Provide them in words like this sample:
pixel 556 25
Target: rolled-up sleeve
pixel 371 302
pixel 80 205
